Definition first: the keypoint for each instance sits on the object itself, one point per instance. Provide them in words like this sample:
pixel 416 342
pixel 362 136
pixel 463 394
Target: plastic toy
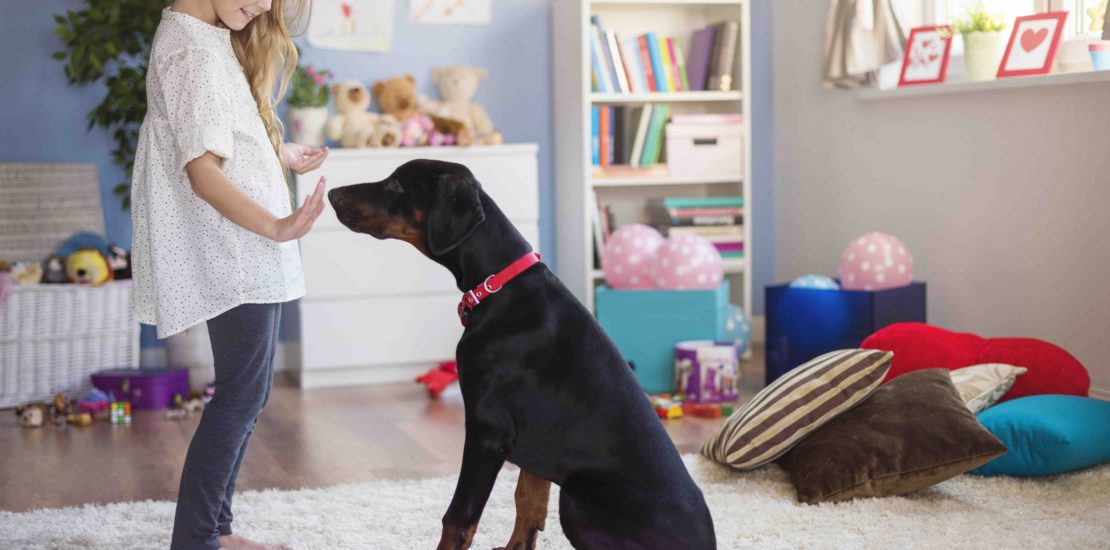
pixel 93 402
pixel 80 419
pixel 437 379
pixel 628 255
pixel 687 262
pixel 875 261
pixel 31 415
pixel 738 330
pixel 816 282
pixel 120 412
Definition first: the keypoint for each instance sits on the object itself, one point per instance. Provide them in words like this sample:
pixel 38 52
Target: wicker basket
pixel 53 336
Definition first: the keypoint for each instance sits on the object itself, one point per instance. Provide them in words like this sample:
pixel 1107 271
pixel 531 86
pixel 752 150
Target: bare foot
pixel 235 542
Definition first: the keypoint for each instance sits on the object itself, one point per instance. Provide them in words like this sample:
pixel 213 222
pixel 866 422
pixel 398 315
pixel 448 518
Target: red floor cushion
pixel 918 346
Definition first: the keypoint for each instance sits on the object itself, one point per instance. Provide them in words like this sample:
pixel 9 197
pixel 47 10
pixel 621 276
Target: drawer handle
pixel 705 141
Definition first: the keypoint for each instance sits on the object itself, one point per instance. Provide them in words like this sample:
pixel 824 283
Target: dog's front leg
pixel 482 460
pixel 531 511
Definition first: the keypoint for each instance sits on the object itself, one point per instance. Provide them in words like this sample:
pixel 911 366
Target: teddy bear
pixel 354 125
pixel 88 267
pixel 397 97
pixel 457 86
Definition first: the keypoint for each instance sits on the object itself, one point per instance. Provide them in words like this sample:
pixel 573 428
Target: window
pixel 915 13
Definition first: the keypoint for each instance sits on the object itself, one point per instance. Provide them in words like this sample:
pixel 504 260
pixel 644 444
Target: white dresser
pixel 379 311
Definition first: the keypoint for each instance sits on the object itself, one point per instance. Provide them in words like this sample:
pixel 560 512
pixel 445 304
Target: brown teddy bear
pixel 354 125
pixel 397 97
pixel 457 86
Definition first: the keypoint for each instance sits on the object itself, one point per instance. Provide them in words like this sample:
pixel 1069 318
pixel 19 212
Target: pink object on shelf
pixel 687 262
pixel 626 259
pixel 875 261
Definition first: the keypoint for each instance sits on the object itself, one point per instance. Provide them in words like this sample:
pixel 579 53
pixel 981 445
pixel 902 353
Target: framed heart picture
pixel 926 58
pixel 1033 43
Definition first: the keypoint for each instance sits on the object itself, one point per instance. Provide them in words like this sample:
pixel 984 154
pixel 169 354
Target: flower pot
pixel 982 55
pixel 307 124
pixel 191 349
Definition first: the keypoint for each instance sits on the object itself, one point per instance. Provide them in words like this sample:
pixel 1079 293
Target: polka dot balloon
pixel 738 330
pixel 819 282
pixel 875 261
pixel 687 262
pixel 627 257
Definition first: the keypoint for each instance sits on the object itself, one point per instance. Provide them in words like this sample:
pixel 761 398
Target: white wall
pixel 1003 197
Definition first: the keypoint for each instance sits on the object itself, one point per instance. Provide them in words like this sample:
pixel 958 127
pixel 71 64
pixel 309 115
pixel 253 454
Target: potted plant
pixel 308 100
pixel 982 32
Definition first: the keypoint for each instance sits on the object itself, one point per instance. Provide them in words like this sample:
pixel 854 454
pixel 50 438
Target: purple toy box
pixel 145 388
pixel 706 372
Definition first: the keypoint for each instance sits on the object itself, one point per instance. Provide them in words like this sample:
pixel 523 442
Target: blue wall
pixel 44 119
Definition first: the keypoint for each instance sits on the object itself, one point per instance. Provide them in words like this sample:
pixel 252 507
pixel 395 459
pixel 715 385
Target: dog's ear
pixel 455 212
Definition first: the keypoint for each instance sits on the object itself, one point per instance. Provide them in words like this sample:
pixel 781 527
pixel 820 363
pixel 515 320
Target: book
pixel 724 60
pixel 697 64
pixel 709 231
pixel 645 61
pixel 618 63
pixel 631 65
pixel 689 221
pixel 657 62
pixel 617 124
pixel 676 75
pixel 688 212
pixel 700 202
pixel 708 119
pixel 602 76
pixel 632 57
pixel 668 66
pixel 630 121
pixel 595 135
pixel 728 247
pixel 641 133
pixel 605 139
pixel 653 143
pixel 681 66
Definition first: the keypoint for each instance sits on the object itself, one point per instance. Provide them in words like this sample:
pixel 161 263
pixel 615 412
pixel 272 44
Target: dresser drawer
pixel 367 332
pixel 342 263
pixel 507 173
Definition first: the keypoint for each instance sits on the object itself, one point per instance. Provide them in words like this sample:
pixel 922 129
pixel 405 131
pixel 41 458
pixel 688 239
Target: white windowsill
pixel 1000 84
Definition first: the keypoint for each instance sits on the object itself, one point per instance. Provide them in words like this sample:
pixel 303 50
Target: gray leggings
pixel 243 343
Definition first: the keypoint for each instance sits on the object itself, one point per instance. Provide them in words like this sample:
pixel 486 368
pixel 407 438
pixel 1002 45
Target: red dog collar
pixel 493 283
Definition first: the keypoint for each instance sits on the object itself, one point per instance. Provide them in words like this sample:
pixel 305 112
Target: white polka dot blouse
pixel 190 263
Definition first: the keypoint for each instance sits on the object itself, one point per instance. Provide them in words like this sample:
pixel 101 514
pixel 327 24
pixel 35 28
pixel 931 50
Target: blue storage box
pixel 646 324
pixel 803 323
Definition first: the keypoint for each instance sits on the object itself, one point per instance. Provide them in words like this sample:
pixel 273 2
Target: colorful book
pixel 629 62
pixel 603 130
pixel 733 232
pixel 668 66
pixel 692 221
pixel 602 69
pixel 657 62
pixel 653 144
pixel 632 59
pixel 697 64
pixel 681 66
pixel 641 134
pixel 672 57
pixel 618 64
pixel 645 61
pixel 689 212
pixel 703 202
pixel 595 135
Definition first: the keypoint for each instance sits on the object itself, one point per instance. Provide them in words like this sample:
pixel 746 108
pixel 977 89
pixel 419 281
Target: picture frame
pixel 926 58
pixel 1033 44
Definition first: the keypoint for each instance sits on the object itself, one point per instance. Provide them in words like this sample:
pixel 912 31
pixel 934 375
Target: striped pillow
pixel 981 386
pixel 799 402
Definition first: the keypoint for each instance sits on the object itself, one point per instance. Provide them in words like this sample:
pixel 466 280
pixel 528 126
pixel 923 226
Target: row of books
pixel 627 135
pixel 623 62
pixel 720 220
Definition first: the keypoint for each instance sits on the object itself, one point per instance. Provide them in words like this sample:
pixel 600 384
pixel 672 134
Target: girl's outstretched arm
pixel 211 184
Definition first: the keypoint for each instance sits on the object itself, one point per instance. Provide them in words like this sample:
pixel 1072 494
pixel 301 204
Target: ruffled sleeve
pixel 198 104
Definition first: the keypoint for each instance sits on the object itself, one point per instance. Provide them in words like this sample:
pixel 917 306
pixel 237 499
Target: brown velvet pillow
pixel 913 432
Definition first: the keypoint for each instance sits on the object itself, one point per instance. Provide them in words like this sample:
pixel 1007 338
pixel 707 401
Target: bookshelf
pixel 576 179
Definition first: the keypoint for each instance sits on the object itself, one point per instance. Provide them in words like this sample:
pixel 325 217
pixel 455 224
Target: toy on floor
pixel 31 415
pixel 80 419
pixel 93 402
pixel 62 409
pixel 120 412
pixel 437 379
pixel 706 372
pixel 669 406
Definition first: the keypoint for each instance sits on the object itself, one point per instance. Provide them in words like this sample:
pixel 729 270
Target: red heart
pixel 926 44
pixel 918 346
pixel 933 57
pixel 1030 39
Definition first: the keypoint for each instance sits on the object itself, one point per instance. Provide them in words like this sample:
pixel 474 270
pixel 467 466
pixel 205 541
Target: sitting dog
pixel 543 386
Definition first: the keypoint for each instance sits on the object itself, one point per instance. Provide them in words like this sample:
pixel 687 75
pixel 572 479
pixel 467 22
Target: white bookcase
pixel 628 197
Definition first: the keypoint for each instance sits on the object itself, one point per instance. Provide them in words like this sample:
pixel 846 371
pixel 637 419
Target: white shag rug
pixel 750 510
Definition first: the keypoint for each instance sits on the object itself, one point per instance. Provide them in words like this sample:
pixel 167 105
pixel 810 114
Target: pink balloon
pixel 687 262
pixel 875 261
pixel 626 259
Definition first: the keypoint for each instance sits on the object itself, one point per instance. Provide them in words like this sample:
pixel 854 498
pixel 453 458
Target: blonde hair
pixel 266 51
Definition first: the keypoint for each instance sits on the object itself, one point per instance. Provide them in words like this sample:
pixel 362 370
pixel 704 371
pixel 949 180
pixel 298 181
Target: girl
pixel 214 238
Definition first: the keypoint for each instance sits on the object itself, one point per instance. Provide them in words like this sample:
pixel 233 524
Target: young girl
pixel 214 235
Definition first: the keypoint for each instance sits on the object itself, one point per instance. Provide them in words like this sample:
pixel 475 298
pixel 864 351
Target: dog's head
pixel 431 204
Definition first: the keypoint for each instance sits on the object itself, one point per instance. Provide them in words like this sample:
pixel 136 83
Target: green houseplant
pixel 108 42
pixel 982 32
pixel 308 100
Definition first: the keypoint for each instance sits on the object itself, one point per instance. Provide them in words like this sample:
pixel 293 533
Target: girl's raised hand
pixel 300 221
pixel 302 159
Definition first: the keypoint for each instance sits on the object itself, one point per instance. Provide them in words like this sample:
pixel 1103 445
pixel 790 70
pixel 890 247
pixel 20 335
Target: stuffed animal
pixel 354 125
pixel 31 415
pixel 54 270
pixel 119 259
pixel 27 273
pixel 457 86
pixel 88 267
pixel 397 97
pixel 80 241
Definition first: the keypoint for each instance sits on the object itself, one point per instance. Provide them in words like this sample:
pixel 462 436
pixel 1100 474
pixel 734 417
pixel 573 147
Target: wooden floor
pixel 303 439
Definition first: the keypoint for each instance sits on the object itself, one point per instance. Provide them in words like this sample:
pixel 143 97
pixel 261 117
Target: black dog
pixel 543 386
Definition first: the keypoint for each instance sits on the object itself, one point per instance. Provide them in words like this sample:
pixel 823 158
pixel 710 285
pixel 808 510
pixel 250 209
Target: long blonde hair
pixel 266 51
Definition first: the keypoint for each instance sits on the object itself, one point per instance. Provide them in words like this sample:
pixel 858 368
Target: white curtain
pixel 860 37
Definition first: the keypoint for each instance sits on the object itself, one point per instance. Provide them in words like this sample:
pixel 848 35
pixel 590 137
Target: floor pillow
pixel 919 346
pixel 794 405
pixel 913 432
pixel 1048 434
pixel 981 386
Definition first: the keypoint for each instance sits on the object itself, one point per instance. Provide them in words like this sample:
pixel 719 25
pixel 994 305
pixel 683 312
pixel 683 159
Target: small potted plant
pixel 308 105
pixel 982 32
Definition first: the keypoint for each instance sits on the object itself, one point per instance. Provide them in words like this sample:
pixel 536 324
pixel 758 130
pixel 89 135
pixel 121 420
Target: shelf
pixel 732 266
pixel 665 2
pixel 666 97
pixel 667 180
pixel 990 85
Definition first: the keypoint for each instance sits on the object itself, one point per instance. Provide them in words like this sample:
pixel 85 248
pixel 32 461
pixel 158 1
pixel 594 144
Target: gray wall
pixel 1002 196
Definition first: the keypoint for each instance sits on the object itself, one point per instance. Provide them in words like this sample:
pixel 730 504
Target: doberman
pixel 543 385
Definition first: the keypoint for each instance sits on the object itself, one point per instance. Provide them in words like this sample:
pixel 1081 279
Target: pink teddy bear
pixel 418 130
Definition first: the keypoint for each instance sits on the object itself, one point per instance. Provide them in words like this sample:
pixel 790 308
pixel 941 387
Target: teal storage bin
pixel 646 324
